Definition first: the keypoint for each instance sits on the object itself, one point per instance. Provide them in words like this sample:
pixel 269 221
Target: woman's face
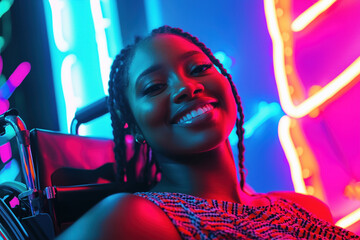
pixel 181 103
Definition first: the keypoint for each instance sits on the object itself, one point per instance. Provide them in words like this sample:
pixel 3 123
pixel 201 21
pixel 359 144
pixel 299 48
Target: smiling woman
pixel 166 91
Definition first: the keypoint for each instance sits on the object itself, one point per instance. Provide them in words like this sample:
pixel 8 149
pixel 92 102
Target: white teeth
pixel 195 113
pixel 201 111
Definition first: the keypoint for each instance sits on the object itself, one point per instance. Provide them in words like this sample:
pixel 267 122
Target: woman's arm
pixel 122 216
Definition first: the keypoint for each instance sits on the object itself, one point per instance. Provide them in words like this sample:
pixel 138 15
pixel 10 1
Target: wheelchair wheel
pixel 10 227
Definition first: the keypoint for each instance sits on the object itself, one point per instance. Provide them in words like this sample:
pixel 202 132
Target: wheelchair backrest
pixel 64 160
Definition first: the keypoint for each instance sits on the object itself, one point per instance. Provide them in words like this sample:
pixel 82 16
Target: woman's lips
pixel 200 119
pixel 195 113
pixel 193 109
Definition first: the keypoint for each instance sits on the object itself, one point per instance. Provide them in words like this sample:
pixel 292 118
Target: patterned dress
pixel 198 218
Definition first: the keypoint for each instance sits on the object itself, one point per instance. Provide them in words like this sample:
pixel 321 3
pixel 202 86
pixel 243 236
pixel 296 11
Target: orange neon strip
pixel 311 103
pixel 310 14
pixel 315 100
pixel 349 219
pixel 291 155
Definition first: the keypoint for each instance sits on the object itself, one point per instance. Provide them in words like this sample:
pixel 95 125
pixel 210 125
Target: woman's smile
pixel 193 110
pixel 196 115
pixel 180 101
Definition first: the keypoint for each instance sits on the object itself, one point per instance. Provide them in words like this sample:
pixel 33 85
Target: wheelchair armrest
pixel 71 202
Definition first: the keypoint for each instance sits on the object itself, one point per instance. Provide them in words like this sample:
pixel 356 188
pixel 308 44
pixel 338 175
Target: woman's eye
pixel 201 68
pixel 153 89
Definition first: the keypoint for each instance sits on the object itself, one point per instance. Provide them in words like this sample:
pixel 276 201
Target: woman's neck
pixel 210 175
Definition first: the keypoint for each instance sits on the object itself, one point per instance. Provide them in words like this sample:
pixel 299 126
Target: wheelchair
pixel 60 177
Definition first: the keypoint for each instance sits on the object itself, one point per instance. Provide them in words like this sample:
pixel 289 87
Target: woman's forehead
pixel 165 46
pixel 161 49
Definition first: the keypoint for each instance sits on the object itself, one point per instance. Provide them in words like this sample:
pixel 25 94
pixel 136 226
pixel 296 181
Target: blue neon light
pixel 10 171
pixel 84 37
pixel 153 14
pixel 265 112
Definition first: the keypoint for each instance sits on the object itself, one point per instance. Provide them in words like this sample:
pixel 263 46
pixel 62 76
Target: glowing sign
pixel 57 8
pixel 101 24
pixel 225 60
pixel 291 155
pixel 5 6
pixel 15 79
pixel 265 112
pixel 153 14
pixel 317 71
pixel 10 171
pixel 281 67
pixel 310 14
pixel 71 101
pixel 83 39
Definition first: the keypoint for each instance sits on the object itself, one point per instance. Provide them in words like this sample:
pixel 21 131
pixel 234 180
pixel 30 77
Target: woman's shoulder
pixel 140 218
pixel 127 216
pixel 308 202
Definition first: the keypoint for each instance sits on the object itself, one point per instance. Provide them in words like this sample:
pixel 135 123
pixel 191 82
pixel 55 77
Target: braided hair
pixel 123 122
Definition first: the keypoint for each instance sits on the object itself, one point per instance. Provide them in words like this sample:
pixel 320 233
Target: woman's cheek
pixel 151 114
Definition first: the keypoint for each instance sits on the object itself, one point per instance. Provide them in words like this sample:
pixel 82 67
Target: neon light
pixel 9 86
pixel 310 14
pixel 90 22
pixel 285 74
pixel 4 105
pixel 220 56
pixel 291 155
pixel 5 152
pixel 19 74
pixel 2 42
pixel 14 80
pixel 71 102
pixel 265 112
pixel 153 14
pixel 14 202
pixel 100 25
pixel 10 171
pixel 5 6
pixel 225 60
pixel 328 91
pixel 57 7
pixel 1 65
pixel 349 219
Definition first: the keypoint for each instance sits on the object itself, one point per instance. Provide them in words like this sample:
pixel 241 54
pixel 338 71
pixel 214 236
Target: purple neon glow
pixel 14 202
pixel 328 45
pixel 4 105
pixel 19 74
pixel 5 152
pixel 1 64
pixel 14 80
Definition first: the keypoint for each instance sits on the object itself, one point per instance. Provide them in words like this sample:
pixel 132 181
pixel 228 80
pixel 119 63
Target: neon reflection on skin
pixel 284 69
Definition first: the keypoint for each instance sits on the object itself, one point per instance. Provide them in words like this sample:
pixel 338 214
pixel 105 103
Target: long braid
pixel 117 106
pixel 118 103
pixel 116 123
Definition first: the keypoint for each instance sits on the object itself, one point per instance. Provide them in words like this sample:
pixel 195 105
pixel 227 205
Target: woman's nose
pixel 187 89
